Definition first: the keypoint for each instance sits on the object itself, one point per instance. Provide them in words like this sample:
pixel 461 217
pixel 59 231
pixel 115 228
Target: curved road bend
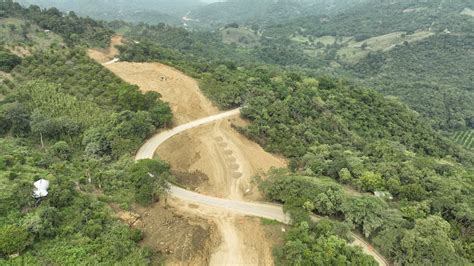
pixel 264 210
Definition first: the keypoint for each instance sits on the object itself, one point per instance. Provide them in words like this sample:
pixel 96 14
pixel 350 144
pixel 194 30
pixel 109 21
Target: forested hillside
pixel 420 52
pixel 73 29
pixel 386 46
pixel 148 11
pixel 338 129
pixel 66 119
pixel 314 91
pixel 263 12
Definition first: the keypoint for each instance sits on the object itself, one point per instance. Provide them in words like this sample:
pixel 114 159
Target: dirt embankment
pixel 226 160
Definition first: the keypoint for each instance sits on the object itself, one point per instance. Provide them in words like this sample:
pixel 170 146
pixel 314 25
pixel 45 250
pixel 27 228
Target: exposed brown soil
pixel 190 181
pixel 105 55
pixel 227 158
pixel 244 240
pixel 180 238
pixel 180 91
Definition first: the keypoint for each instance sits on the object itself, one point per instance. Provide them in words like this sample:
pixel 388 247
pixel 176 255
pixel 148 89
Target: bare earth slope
pixel 180 91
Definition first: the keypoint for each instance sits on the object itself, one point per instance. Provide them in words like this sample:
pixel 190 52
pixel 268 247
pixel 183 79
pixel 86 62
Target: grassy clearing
pixel 464 138
pixel 354 51
pixel 23 38
pixel 325 40
pixel 467 11
pixel 242 37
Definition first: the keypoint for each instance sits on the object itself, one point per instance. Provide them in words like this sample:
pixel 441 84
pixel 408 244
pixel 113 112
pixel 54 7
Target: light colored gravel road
pixel 264 210
pixel 147 151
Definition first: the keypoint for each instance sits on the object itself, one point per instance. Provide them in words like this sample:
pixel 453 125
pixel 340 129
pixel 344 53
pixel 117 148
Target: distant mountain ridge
pixel 266 11
pixel 147 11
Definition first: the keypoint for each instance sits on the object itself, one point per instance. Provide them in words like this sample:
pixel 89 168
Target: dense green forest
pixel 419 52
pixel 66 119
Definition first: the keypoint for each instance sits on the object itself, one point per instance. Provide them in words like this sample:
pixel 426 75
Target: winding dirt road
pixel 231 158
pixel 264 210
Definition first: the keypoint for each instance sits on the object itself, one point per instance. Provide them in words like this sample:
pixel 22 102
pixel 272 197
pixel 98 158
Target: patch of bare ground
pixel 179 90
pixel 190 181
pixel 105 55
pixel 182 239
pixel 243 240
pixel 227 158
pixel 20 51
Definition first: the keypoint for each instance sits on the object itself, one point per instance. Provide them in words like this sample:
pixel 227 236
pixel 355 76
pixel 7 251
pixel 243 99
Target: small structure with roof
pixel 41 188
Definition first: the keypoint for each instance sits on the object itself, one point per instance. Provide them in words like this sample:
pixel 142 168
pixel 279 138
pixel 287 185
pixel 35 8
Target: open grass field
pixel 23 38
pixel 354 51
pixel 464 138
pixel 242 37
pixel 468 12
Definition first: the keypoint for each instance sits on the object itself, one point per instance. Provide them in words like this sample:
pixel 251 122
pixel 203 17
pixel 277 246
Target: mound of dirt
pixel 243 240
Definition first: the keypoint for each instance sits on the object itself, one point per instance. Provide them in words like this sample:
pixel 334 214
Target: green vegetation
pixel 394 178
pixel 442 91
pixel 262 12
pixel 419 52
pixel 319 244
pixel 391 58
pixel 68 120
pixel 24 37
pixel 147 11
pixel 333 128
pixel 409 235
pixel 73 29
pixel 8 61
